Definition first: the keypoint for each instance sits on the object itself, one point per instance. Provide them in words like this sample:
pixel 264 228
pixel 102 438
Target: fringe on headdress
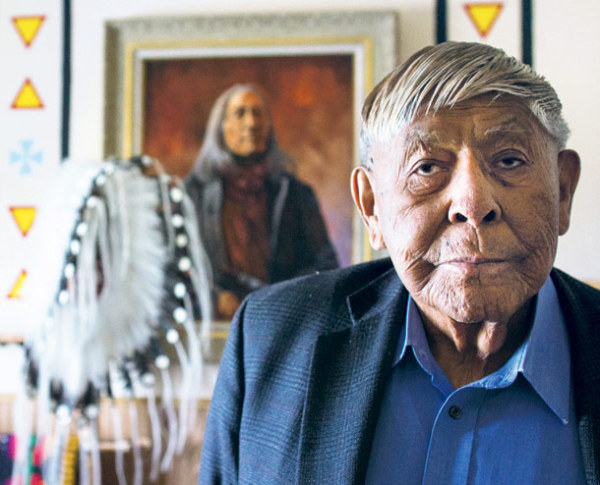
pixel 133 285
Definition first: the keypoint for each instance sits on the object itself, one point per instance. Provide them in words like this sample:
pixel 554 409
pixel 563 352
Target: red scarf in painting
pixel 246 220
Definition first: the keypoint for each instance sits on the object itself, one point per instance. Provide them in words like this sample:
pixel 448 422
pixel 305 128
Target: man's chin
pixel 476 314
pixel 473 303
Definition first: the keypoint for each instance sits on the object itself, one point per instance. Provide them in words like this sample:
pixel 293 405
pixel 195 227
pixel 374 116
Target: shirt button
pixel 454 412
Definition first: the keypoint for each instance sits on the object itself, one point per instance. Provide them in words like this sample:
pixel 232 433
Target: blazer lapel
pixel 345 388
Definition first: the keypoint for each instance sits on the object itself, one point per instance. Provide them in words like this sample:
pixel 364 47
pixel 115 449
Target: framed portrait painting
pixel 164 74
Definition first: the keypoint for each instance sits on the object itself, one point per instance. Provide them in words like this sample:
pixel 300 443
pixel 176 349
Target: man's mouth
pixel 474 260
pixel 478 266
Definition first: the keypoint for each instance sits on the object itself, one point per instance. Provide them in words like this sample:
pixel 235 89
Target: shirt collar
pixel 546 363
pixel 413 333
pixel 543 359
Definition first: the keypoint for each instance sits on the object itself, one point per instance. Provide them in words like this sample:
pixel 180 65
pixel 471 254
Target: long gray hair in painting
pixel 445 74
pixel 214 155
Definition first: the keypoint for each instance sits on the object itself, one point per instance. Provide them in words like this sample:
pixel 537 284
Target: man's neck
pixel 467 352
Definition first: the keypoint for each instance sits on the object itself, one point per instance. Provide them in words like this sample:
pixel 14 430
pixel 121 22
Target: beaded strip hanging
pixel 133 285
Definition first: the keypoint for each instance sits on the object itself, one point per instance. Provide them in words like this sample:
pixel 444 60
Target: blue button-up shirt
pixel 515 426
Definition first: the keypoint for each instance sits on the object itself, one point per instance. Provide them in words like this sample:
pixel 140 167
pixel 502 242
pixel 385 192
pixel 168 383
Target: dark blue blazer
pixel 305 367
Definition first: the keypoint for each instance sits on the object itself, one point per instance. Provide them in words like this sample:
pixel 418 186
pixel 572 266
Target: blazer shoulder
pixel 318 300
pixel 340 282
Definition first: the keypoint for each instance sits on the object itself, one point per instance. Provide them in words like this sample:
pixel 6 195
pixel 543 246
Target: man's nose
pixel 472 194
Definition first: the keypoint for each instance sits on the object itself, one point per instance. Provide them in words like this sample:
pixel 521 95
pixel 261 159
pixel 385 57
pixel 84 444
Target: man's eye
pixel 427 169
pixel 509 163
pixel 426 177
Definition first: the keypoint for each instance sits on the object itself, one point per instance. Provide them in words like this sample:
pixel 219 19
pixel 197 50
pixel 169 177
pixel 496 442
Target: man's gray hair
pixel 214 155
pixel 445 74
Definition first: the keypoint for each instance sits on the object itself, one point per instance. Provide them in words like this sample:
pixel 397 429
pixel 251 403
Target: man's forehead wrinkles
pixel 439 135
pixel 511 126
pixel 442 131
pixel 511 132
pixel 419 136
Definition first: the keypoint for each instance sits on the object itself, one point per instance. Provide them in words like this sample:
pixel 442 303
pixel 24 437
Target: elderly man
pixel 258 222
pixel 465 357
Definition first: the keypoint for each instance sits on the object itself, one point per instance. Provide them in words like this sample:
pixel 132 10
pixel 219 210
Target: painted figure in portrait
pixel 260 224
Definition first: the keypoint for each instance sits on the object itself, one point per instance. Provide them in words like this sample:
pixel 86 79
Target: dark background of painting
pixel 311 98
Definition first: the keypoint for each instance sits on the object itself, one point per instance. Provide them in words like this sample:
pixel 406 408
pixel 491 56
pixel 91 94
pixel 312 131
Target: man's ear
pixel 363 194
pixel 569 167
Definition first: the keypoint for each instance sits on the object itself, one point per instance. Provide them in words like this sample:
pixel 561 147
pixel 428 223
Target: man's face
pixel 469 203
pixel 246 125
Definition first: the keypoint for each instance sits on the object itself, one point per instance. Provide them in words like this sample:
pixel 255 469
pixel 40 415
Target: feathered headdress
pixel 132 284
